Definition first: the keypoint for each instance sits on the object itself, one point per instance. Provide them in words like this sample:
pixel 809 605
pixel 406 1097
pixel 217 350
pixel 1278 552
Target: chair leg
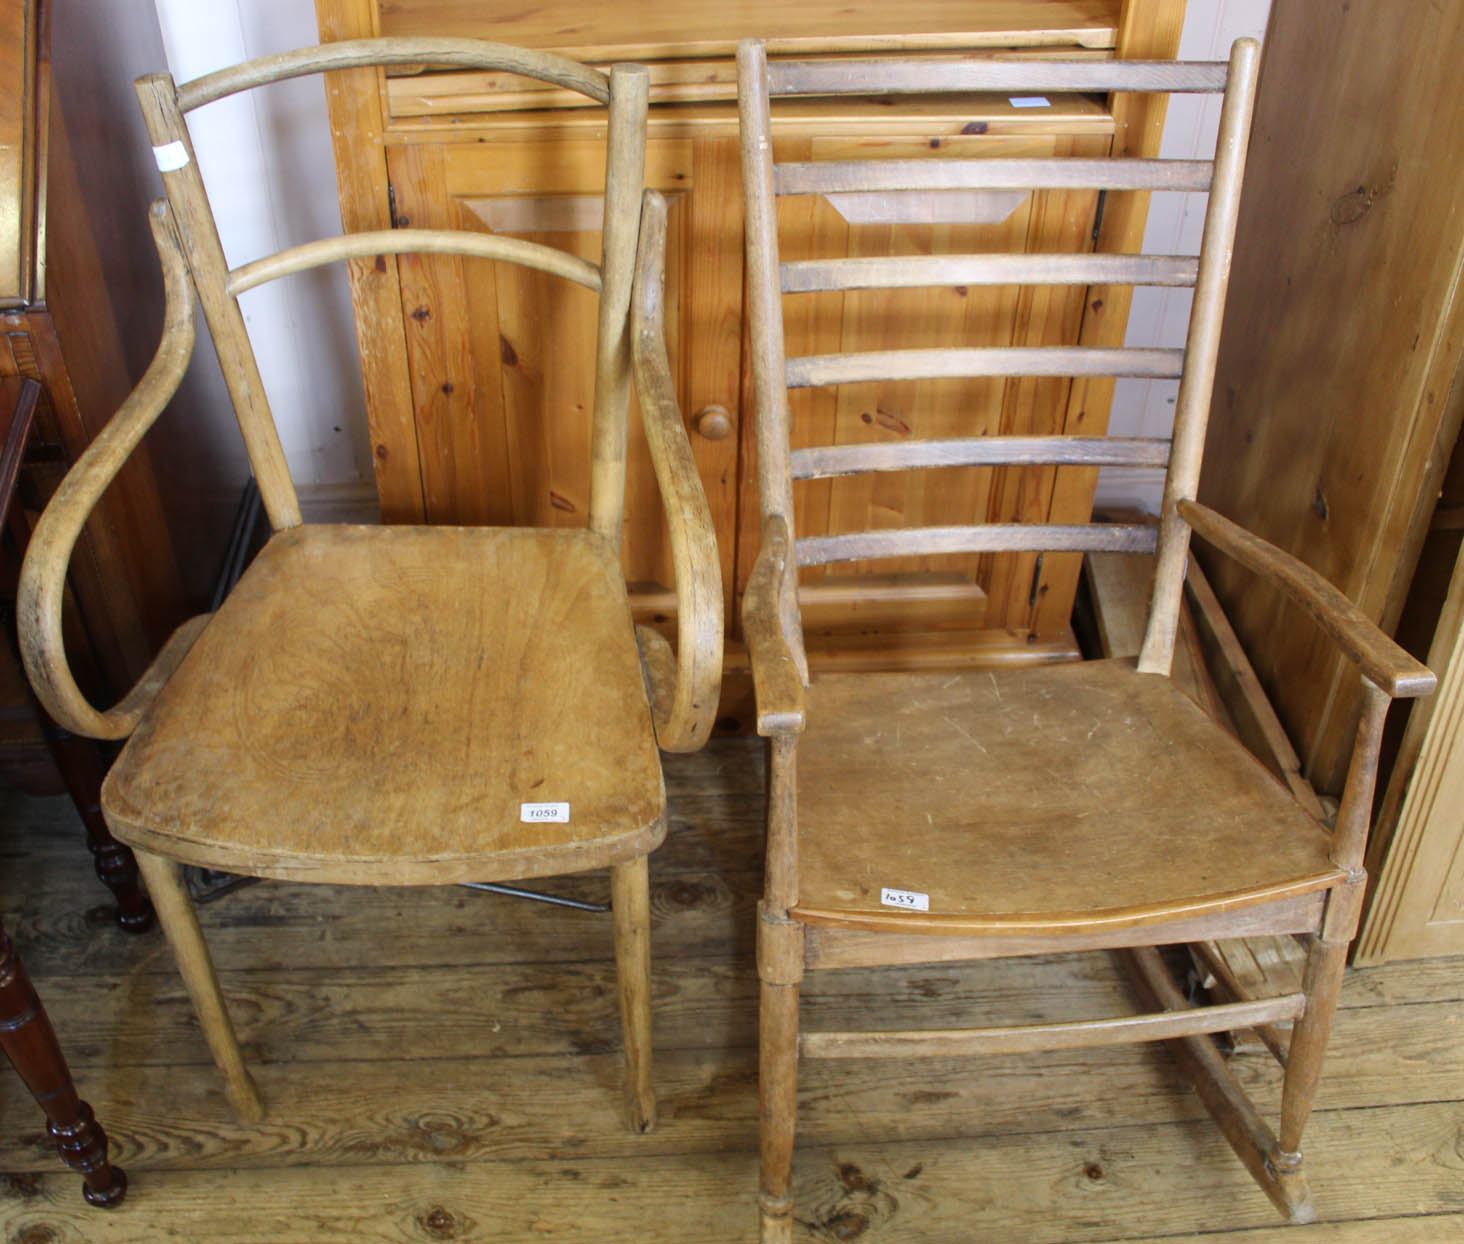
pixel 777 1054
pixel 1325 964
pixel 30 1044
pixel 80 763
pixel 164 879
pixel 630 900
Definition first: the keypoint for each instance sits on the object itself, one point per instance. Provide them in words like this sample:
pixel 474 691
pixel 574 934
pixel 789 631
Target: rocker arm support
pixel 43 574
pixel 1382 662
pixel 776 676
pixel 685 687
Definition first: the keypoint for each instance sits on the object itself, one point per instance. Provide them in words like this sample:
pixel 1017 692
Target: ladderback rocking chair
pixel 929 816
pixel 394 705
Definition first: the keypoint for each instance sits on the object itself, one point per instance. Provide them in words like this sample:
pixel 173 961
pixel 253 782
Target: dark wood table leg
pixel 30 1044
pixel 82 769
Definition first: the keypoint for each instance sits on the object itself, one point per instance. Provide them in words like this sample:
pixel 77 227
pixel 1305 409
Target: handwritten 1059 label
pixel 530 813
pixel 911 900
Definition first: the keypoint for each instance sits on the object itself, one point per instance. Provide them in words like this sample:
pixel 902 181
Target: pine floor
pixel 444 1065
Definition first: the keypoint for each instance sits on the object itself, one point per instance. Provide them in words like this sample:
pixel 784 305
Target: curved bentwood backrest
pixel 624 89
pixel 1194 366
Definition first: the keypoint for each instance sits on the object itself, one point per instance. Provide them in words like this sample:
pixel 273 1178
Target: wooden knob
pixel 713 422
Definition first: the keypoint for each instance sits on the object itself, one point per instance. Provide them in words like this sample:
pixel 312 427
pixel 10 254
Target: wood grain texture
pixel 994 174
pixel 877 272
pixel 414 241
pixel 1333 423
pixel 687 721
pixel 650 31
pixel 812 370
pixel 771 648
pixel 1142 809
pixel 1378 657
pixel 835 77
pixel 402 50
pixel 374 705
pixel 990 538
pixel 986 451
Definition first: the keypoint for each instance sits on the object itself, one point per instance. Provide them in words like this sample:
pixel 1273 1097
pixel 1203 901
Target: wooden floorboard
pixel 444 1065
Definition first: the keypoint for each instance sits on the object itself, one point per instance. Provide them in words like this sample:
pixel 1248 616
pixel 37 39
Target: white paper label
pixel 532 812
pixel 170 157
pixel 911 900
pixel 1028 101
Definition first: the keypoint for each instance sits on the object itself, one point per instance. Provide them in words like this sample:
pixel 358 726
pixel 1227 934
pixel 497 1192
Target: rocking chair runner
pixel 405 705
pixel 917 817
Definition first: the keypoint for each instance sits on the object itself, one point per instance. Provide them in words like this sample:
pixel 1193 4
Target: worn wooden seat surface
pixel 1034 800
pixel 375 704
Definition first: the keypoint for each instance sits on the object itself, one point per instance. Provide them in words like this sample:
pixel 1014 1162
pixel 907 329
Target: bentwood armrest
pixel 775 670
pixel 1381 661
pixel 43 575
pixel 684 713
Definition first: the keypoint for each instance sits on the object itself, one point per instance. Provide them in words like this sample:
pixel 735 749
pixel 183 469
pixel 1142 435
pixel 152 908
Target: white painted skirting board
pixel 339 503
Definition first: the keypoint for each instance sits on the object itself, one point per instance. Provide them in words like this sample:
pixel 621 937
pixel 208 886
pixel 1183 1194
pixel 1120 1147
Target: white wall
pixel 1160 316
pixel 267 161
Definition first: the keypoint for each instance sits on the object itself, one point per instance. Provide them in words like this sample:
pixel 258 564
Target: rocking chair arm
pixel 42 584
pixel 684 702
pixel 776 676
pixel 1381 660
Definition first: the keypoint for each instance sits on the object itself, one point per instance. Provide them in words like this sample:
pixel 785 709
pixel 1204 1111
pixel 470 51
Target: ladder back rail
pixel 923 271
pixel 814 370
pixel 910 76
pixel 825 461
pixel 986 538
pixel 996 173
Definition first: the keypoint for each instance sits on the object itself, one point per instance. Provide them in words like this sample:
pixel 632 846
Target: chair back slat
pixel 863 176
pixel 813 370
pixel 883 448
pixel 986 538
pixel 448 53
pixel 826 461
pixel 916 271
pixel 911 76
pixel 624 89
pixel 310 255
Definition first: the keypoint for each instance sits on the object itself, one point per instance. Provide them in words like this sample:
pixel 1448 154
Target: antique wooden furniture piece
pixel 78 761
pixel 57 330
pixel 405 705
pixel 30 1044
pixel 467 415
pixel 919 816
pixel 1337 438
pixel 26 1035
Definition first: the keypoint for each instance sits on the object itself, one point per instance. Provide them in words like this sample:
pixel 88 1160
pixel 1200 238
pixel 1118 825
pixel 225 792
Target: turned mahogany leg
pixel 30 1044
pixel 80 763
pixel 630 900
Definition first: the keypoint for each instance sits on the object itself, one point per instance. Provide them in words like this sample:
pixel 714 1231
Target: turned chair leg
pixel 80 764
pixel 164 879
pixel 30 1044
pixel 630 900
pixel 777 1058
pixel 1326 963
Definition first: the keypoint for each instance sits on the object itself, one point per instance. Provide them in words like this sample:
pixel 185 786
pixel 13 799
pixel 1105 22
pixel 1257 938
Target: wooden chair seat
pixel 375 705
pixel 1036 800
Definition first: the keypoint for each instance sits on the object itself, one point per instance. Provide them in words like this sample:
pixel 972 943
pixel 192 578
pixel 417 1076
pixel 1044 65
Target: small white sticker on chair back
pixel 531 812
pixel 170 157
pixel 911 900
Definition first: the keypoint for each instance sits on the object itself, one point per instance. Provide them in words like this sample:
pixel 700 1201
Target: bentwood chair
pixel 393 705
pixel 918 817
